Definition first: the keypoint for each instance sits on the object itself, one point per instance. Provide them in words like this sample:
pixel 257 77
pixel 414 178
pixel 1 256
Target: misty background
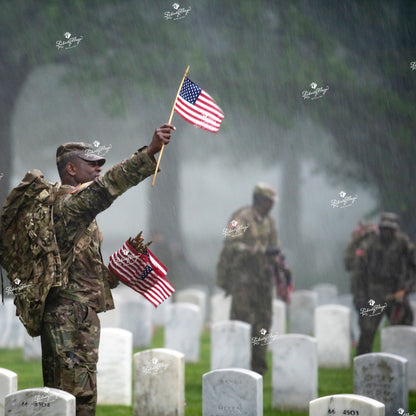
pixel 255 58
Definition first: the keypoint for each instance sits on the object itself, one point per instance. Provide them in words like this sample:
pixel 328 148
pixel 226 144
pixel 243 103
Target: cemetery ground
pixel 331 381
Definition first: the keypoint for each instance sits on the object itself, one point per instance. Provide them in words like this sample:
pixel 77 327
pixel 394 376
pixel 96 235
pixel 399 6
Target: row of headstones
pixel 183 329
pixel 138 316
pixel 239 391
pixel 295 357
pixel 130 305
pixel 159 388
pixel 295 364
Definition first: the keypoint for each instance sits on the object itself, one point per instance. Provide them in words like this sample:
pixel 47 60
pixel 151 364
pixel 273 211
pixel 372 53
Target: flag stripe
pixel 197 111
pixel 197 118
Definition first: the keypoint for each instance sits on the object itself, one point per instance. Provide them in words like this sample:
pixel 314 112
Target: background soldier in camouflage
pixel 71 328
pixel 244 267
pixel 354 263
pixel 387 262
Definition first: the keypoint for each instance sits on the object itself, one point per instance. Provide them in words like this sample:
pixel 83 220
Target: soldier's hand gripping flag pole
pixel 170 119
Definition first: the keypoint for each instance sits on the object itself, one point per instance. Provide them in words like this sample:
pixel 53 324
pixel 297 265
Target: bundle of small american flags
pixel 141 271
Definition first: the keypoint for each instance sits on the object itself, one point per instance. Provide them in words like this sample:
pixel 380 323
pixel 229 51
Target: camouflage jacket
pixel 388 268
pixel 89 280
pixel 243 258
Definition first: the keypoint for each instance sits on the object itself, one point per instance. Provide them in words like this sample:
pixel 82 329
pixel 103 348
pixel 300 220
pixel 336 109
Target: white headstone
pixel 32 349
pixel 230 345
pixel 183 330
pixel 12 330
pixel 159 383
pixel 160 315
pixel 112 318
pixel 346 404
pixel 232 391
pixel 327 293
pixel 382 377
pixel 40 402
pixel 401 340
pixel 114 367
pixel 8 384
pixel 347 300
pixel 195 296
pixel 220 307
pixel 295 372
pixel 136 317
pixel 278 317
pixel 332 331
pixel 301 310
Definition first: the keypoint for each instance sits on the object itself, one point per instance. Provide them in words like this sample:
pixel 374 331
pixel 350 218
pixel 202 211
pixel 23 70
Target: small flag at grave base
pixel 143 272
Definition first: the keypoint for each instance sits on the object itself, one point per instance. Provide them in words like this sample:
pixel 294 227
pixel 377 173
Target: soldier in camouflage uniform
pixel 244 268
pixel 71 328
pixel 387 260
pixel 354 264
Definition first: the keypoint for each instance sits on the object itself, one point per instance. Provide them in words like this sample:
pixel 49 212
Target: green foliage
pixel 256 56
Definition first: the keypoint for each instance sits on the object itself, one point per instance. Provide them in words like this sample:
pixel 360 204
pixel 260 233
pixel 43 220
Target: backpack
pixel 28 248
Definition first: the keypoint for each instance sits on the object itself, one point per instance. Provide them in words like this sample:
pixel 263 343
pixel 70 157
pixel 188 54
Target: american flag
pixel 198 108
pixel 143 272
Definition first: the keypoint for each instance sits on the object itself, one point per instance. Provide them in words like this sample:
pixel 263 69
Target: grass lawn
pixel 330 381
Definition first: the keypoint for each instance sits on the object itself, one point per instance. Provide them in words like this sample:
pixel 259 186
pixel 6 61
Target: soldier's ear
pixel 71 168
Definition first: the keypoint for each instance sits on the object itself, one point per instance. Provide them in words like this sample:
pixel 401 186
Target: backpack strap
pixel 70 253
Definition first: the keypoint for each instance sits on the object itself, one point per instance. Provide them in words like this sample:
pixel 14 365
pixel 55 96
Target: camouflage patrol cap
pixel 79 149
pixel 390 216
pixel 265 190
pixel 389 220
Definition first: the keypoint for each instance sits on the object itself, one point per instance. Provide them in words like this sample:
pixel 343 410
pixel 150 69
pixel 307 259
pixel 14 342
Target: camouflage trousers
pixel 257 311
pixel 70 339
pixel 369 325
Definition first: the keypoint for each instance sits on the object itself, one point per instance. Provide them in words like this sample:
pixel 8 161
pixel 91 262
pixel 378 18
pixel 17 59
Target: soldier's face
pixel 85 171
pixel 263 205
pixel 386 235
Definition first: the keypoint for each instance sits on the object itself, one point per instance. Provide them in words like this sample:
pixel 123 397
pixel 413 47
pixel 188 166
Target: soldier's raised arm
pixel 94 193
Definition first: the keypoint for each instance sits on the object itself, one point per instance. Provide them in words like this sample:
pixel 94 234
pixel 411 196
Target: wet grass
pixel 331 381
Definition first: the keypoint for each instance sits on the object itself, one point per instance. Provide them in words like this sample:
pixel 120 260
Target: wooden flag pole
pixel 170 119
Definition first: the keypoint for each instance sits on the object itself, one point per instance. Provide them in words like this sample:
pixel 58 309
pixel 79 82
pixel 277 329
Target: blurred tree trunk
pixel 12 78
